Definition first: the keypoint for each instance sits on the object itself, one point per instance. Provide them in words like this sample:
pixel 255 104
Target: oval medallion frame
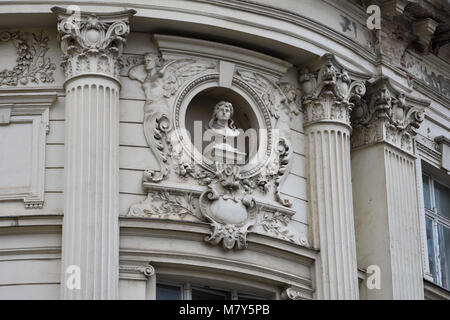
pixel 265 129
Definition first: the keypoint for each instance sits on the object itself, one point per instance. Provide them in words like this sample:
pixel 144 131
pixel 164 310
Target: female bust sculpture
pixel 221 121
pixel 222 128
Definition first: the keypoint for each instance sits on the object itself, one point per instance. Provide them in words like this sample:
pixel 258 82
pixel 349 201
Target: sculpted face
pixel 223 113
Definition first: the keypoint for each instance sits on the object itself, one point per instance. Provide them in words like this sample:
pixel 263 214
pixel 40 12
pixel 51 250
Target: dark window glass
pixel 244 296
pixel 426 192
pixel 167 292
pixel 209 294
pixel 444 252
pixel 442 195
pixel 430 244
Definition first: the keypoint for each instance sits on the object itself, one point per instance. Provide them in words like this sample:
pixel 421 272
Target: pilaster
pixel 387 218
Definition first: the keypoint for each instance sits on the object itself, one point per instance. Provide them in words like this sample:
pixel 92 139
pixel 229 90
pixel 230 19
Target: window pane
pixel 430 244
pixel 442 195
pixel 244 296
pixel 167 292
pixel 209 294
pixel 444 253
pixel 426 192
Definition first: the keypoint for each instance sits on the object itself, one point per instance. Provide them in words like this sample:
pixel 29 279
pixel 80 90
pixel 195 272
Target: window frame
pixel 187 286
pixel 436 220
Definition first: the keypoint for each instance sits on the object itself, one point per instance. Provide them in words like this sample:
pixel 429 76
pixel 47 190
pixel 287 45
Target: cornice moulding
pixel 140 226
pixel 25 97
pixel 174 45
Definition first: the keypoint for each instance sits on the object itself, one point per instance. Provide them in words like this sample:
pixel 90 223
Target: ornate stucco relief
pixel 160 80
pixel 227 196
pixel 92 44
pixel 32 63
pixel 387 115
pixel 329 94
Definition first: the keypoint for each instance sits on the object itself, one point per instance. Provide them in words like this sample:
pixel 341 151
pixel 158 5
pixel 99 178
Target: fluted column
pixel 385 191
pixel 91 47
pixel 328 97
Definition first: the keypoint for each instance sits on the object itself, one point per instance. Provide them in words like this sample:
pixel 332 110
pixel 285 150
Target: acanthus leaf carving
pixel 276 223
pixel 267 90
pixel 386 115
pixel 228 207
pixel 162 204
pixel 285 154
pixel 329 94
pixel 92 43
pixel 32 63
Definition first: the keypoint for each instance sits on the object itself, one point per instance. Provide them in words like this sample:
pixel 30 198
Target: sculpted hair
pixel 216 110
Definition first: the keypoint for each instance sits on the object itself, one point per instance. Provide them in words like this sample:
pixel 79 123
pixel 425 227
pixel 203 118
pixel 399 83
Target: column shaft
pixel 90 238
pixel 332 210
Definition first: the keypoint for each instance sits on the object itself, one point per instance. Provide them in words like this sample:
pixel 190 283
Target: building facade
pixel 200 149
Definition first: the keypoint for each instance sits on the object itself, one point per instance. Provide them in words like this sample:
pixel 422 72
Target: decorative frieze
pixel 276 223
pixel 33 64
pixel 231 211
pixel 387 115
pixel 92 43
pixel 164 204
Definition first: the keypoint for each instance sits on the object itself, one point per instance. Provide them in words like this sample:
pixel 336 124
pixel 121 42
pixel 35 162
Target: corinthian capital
pixel 92 43
pixel 330 92
pixel 387 114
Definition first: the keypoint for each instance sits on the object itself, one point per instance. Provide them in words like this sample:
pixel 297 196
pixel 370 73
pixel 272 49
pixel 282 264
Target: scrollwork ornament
pixel 229 209
pixel 93 43
pixel 161 79
pixel 292 293
pixel 389 114
pixel 285 154
pixel 329 93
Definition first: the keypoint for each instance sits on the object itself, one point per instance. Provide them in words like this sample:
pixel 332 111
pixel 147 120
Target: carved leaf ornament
pixel 32 64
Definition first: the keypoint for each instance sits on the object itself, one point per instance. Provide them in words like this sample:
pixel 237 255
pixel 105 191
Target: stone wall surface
pixel 95 170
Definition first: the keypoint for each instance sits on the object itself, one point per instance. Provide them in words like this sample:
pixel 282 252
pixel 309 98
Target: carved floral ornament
pixel 92 43
pixel 226 194
pixel 386 114
pixel 33 64
pixel 329 94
